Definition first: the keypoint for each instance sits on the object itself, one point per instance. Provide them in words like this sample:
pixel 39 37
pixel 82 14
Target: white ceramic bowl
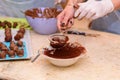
pixel 43 25
pixel 62 62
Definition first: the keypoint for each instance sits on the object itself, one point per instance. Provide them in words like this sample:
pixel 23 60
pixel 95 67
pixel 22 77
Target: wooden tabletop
pixel 102 60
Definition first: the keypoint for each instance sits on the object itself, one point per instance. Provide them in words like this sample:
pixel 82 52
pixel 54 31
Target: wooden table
pixel 102 60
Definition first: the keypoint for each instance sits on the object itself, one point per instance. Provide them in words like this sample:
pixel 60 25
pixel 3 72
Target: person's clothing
pixel 109 23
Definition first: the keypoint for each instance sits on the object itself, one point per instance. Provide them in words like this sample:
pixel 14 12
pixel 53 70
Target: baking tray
pixel 20 21
pixel 26 45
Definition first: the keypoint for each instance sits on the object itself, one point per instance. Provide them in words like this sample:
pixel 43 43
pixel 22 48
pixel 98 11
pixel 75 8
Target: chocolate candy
pixel 4 48
pixel 20 52
pixel 31 13
pixel 12 42
pixel 9 24
pixel 46 13
pixel 11 53
pixel 20 34
pixel 36 10
pixel 8 35
pixel 15 48
pixel 7 30
pixel 19 43
pixel 8 38
pixel 12 45
pixel 3 25
pixel 2 54
pixel 15 24
pixel 17 38
pixel 22 30
pixel 1 45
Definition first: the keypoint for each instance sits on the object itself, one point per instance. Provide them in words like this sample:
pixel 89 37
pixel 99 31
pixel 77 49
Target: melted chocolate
pixel 57 41
pixel 38 13
pixel 70 50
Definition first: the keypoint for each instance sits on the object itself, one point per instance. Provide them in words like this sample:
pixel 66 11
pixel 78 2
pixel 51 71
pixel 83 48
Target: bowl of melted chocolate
pixel 43 20
pixel 65 55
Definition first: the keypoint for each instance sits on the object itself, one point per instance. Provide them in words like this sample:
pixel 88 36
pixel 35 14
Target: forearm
pixel 116 4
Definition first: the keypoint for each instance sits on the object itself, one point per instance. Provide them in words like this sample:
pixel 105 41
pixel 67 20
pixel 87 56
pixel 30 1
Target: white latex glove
pixel 93 9
pixel 59 1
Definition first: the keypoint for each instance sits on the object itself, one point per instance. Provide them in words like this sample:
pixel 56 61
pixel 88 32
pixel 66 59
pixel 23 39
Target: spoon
pixel 38 54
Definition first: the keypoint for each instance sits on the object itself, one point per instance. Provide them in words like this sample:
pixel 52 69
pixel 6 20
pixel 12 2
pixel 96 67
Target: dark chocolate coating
pixel 7 29
pixel 17 37
pixel 70 50
pixel 12 46
pixel 1 44
pixel 11 53
pixel 8 35
pixel 3 54
pixel 15 48
pixel 4 48
pixel 3 25
pixel 12 42
pixel 46 13
pixel 20 52
pixel 9 24
pixel 19 43
pixel 15 24
pixel 58 41
pixel 20 34
pixel 8 38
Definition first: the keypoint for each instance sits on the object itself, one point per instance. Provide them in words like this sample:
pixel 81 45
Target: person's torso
pixel 109 23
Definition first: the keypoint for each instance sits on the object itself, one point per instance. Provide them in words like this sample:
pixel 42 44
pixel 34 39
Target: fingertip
pixel 58 24
pixel 76 13
pixel 70 23
pixel 65 20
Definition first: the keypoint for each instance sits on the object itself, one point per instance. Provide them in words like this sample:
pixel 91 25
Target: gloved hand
pixel 93 9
